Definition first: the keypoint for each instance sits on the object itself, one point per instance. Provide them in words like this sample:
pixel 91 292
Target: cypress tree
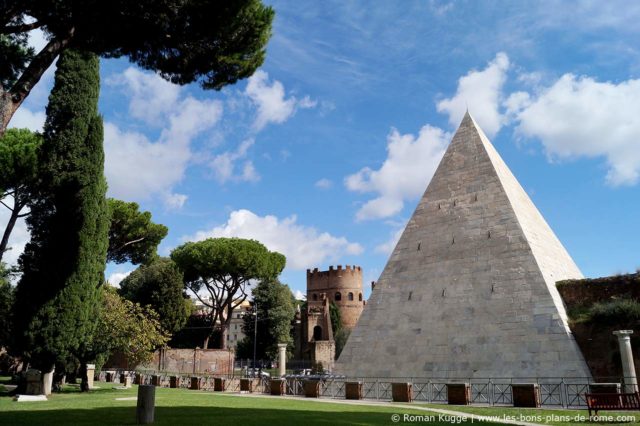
pixel 57 298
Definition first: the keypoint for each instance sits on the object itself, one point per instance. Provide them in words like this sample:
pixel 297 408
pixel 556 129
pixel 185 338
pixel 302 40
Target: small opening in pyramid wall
pixel 419 246
pixel 488 234
pixel 410 294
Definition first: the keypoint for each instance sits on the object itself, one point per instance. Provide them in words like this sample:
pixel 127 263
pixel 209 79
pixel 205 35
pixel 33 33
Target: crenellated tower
pixel 343 286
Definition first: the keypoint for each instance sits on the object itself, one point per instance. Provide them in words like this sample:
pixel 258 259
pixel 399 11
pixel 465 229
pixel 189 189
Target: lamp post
pixel 255 334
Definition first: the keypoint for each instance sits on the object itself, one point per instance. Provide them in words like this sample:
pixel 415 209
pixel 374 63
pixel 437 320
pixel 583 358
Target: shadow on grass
pixel 196 416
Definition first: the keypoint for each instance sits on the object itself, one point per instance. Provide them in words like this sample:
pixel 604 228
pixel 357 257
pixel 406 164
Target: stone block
pixel 278 387
pixel 458 393
pixel 311 388
pixel 34 382
pixel 401 392
pixel 353 390
pixel 91 372
pixel 526 395
pixel 47 382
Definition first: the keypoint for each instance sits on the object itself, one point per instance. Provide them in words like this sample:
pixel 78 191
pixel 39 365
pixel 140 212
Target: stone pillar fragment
pixel 626 354
pixel 282 359
pixel 91 371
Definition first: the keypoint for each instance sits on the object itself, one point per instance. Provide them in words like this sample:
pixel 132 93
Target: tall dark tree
pixel 6 303
pixel 63 264
pixel 18 176
pixel 213 42
pixel 275 314
pixel 159 285
pixel 218 271
pixel 133 237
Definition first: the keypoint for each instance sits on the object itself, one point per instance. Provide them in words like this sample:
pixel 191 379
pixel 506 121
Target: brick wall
pixel 217 361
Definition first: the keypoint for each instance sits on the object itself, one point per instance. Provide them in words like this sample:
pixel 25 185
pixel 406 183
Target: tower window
pixel 350 296
pixel 360 297
pixel 317 333
pixel 338 296
pixel 315 297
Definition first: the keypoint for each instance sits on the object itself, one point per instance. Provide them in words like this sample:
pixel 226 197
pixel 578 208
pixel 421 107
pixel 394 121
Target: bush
pixel 621 311
pixel 341 339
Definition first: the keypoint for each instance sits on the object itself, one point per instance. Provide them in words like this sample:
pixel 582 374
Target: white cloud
pixel 388 246
pixel 303 246
pixel 299 295
pixel 175 201
pixel 481 93
pixel 323 183
pixel 307 102
pixel 271 101
pixel 581 117
pixel 440 8
pixel 25 118
pixel 224 165
pixel 117 277
pixel 20 235
pixel 137 168
pixel 249 173
pixel 151 96
pixel 405 173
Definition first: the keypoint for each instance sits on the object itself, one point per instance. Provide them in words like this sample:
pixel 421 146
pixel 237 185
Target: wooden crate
pixel 195 383
pixel 458 393
pixel 526 395
pixel 353 390
pixel 278 387
pixel 311 388
pixel 401 392
pixel 219 384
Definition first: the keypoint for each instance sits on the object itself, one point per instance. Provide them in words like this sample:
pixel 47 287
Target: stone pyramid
pixel 469 290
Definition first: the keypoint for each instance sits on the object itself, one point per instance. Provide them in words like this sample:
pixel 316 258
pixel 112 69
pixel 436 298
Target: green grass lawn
pixel 185 407
pixel 106 406
pixel 550 417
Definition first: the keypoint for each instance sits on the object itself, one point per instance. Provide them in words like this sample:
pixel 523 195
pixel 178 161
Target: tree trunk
pixel 7 109
pixel 7 230
pixel 84 384
pixel 223 336
pixel 205 345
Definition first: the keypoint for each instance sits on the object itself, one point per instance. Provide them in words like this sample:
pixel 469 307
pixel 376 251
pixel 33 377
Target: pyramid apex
pixel 467 120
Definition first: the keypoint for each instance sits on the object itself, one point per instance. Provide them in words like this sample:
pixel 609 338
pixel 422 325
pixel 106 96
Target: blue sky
pixel 325 151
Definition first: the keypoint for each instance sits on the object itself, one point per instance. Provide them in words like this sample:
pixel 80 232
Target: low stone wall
pixel 193 361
